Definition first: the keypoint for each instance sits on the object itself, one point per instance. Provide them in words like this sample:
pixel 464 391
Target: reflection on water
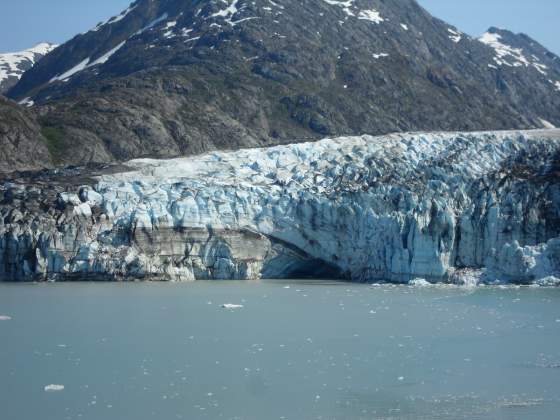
pixel 294 350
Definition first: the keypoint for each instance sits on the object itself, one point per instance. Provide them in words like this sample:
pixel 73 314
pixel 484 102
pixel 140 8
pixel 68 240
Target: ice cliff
pixel 454 207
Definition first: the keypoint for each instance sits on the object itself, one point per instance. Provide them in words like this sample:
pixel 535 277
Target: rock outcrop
pixel 22 145
pixel 457 207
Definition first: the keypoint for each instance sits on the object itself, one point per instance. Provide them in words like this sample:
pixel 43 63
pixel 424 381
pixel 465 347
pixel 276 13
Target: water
pixel 311 351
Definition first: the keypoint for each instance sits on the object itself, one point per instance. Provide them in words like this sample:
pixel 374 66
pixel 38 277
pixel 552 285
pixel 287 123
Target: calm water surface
pixel 296 350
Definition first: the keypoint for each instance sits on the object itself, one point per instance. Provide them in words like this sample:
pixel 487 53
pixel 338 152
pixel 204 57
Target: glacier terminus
pixel 444 207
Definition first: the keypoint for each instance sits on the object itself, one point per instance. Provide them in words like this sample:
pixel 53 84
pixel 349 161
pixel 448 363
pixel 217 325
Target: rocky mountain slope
pixel 456 207
pixel 22 145
pixel 13 65
pixel 173 77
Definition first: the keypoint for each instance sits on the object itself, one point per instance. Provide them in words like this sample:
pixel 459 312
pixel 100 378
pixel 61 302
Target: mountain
pixel 13 65
pixel 173 77
pixel 22 146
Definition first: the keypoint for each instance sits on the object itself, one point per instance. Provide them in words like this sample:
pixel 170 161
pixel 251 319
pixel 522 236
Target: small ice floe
pixel 231 306
pixel 54 388
pixel 5 318
pixel 401 378
pixel 419 282
pixel 287 287
pixel 548 281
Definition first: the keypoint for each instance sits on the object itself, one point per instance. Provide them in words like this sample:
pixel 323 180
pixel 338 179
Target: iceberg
pixel 231 306
pixel 54 388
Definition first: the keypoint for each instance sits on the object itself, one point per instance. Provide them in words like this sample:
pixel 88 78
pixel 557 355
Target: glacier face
pixel 454 207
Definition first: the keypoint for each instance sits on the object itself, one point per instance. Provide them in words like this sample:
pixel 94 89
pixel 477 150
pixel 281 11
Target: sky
pixel 24 23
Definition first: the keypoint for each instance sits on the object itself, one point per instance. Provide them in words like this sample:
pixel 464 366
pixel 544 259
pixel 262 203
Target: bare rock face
pixel 22 145
pixel 451 207
pixel 168 78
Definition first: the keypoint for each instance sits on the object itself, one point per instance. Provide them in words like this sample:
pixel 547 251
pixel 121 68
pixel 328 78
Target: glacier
pixel 460 208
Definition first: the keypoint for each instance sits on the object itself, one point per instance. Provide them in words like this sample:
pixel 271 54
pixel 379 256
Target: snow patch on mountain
pixel 276 4
pixel 455 36
pixel 507 55
pixel 85 64
pixel 350 9
pixel 64 77
pixel 346 5
pixel 13 65
pixel 105 57
pixel 230 11
pixel 541 68
pixel 371 15
pixel 153 23
pixel 28 102
pixel 547 124
pixel 168 28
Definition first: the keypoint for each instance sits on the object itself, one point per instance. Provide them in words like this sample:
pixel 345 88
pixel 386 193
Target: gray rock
pixel 22 145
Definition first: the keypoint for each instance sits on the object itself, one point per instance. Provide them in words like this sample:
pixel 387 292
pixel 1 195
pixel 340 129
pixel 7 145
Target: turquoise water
pixel 296 350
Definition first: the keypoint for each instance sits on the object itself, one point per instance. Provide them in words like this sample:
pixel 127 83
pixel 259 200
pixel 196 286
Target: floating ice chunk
pixel 548 281
pixel 419 282
pixel 231 306
pixel 5 318
pixel 54 388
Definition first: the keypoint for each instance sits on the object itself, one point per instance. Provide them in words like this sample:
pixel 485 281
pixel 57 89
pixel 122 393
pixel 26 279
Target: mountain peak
pixel 520 50
pixel 14 64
